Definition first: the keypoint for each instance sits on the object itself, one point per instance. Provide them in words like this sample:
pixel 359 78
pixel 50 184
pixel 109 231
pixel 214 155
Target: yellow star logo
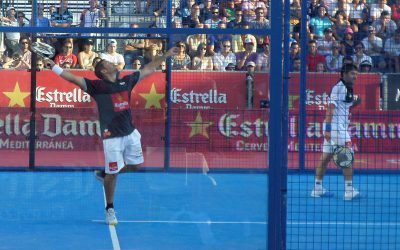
pixel 199 127
pixel 152 98
pixel 17 97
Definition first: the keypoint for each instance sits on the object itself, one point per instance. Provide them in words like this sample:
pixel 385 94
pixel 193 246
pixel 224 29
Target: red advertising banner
pixel 189 90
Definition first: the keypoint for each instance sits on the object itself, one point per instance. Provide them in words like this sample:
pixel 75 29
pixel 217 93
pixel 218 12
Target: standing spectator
pixel 348 43
pixel 113 56
pixel 133 46
pixel 263 60
pixel 11 39
pixel 90 18
pixel 334 61
pixel 161 21
pixel 222 59
pixel 392 51
pixel 313 57
pixel 244 57
pixel 62 17
pixel 66 59
pixel 360 56
pixel 181 60
pixel 320 22
pixel 87 55
pixel 324 45
pixel 201 61
pixel 41 20
pixel 384 26
pixel 374 47
pixel 376 9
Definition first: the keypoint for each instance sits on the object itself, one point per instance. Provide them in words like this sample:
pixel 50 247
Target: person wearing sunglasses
pixel 66 58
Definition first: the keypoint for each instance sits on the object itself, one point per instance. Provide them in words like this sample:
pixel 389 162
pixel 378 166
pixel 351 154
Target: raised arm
pixel 66 75
pixel 152 66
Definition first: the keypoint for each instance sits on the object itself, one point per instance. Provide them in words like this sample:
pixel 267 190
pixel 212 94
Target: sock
pixel 109 205
pixel 348 185
pixel 318 183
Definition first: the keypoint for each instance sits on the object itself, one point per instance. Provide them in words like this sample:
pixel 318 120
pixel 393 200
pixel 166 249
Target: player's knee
pixel 132 167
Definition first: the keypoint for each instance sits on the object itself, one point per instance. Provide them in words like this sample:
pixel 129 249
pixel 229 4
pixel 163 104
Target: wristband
pixel 57 69
pixel 328 127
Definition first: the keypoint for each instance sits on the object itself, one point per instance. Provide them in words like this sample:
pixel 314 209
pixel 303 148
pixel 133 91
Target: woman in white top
pixel 86 56
pixel 201 61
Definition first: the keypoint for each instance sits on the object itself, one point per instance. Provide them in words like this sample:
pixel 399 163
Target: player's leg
pixel 350 192
pixel 319 190
pixel 133 155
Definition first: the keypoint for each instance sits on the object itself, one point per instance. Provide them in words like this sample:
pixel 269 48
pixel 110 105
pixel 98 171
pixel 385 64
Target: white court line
pixel 350 223
pixel 111 228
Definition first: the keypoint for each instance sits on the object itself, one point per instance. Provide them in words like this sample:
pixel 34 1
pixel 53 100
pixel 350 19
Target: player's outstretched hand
pixel 357 100
pixel 49 62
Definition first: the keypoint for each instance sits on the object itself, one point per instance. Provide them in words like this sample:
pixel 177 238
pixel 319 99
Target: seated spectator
pixel 392 51
pixel 66 59
pixel 324 45
pixel 229 10
pixel 133 46
pixel 348 43
pixel 320 22
pixel 194 18
pixel 40 64
pixel 340 25
pixel 296 65
pixel 181 61
pixel 384 26
pixel 206 9
pixel 360 56
pixel 225 57
pixel 193 41
pixel 335 60
pixel 312 10
pixel 320 68
pixel 365 67
pixel 260 22
pixel 361 33
pixel 249 9
pixel 242 58
pixel 214 21
pixel 152 53
pixel 293 53
pixel 26 53
pixel 347 60
pixel 22 20
pixel 343 7
pixel 62 17
pixel 214 41
pixel 41 20
pixel 238 44
pixel 201 61
pixel 355 14
pixel 376 9
pixel 186 8
pixel 162 66
pixel 374 47
pixel 161 21
pixel 295 12
pixel 263 60
pixel 136 64
pixel 238 21
pixel 113 56
pixel 87 55
pixel 313 57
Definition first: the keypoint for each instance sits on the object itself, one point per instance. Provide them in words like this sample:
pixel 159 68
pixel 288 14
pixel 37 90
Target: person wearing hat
pixel 238 41
pixel 87 55
pixel 11 39
pixel 365 67
pixel 348 42
pixel 373 46
pixel 324 45
pixel 112 55
pixel 244 57
pixel 360 56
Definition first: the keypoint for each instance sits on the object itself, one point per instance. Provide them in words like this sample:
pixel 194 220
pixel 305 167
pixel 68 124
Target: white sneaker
pixel 111 219
pixel 350 195
pixel 320 192
pixel 100 174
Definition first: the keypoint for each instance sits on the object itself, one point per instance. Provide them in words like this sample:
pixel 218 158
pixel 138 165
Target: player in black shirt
pixel 121 140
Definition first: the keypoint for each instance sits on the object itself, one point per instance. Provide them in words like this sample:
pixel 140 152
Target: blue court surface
pixel 65 210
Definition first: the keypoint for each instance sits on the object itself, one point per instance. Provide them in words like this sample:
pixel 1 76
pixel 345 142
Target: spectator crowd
pixel 365 32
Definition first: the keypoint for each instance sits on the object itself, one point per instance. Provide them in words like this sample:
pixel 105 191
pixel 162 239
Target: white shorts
pixel 121 151
pixel 339 137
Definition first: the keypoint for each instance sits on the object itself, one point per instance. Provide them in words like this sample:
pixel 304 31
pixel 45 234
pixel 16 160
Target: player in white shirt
pixel 336 131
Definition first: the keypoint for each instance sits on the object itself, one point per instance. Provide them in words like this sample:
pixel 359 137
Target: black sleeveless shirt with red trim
pixel 113 103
